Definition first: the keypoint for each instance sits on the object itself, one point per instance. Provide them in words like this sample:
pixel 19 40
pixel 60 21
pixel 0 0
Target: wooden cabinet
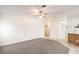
pixel 73 38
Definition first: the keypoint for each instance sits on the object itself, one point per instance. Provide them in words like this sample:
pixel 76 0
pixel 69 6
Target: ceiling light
pixel 41 12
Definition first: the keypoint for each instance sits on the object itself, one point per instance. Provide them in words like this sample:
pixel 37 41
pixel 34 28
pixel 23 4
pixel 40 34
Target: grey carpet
pixel 35 46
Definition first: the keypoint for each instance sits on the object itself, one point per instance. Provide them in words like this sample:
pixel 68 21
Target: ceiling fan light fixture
pixel 42 12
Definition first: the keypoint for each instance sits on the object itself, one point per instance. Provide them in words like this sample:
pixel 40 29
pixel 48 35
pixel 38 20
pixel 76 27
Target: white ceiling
pixel 52 9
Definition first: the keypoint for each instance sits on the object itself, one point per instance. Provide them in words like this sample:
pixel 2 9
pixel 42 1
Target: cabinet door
pixel 72 38
pixel 77 40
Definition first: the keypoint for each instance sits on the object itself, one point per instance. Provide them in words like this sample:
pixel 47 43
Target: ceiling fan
pixel 41 12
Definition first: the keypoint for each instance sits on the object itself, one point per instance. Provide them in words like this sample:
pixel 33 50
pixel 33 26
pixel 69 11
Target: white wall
pixel 16 27
pixel 64 24
pixel 58 27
